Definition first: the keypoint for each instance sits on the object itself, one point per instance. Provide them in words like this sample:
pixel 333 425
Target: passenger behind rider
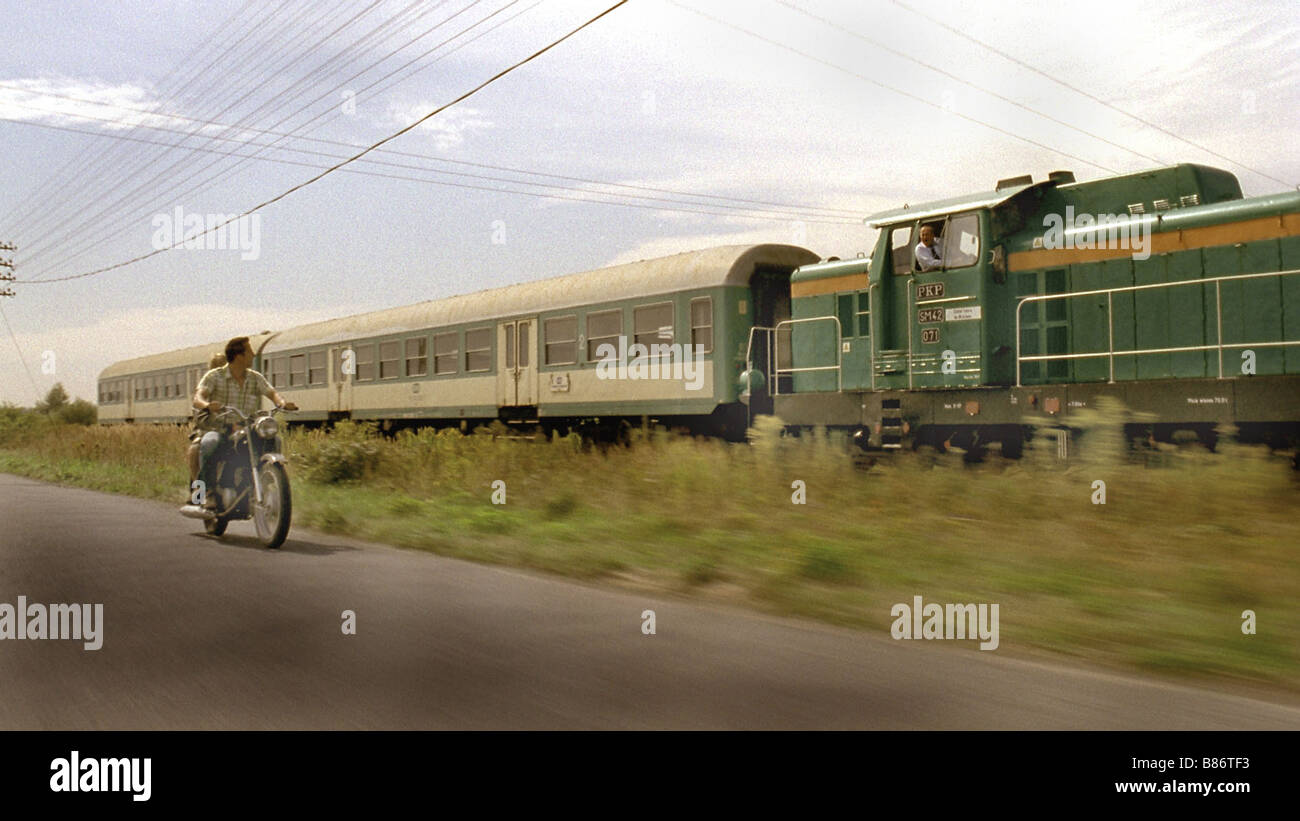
pixel 234 384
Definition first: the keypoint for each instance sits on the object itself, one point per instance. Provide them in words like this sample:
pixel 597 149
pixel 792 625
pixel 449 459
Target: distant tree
pixel 54 400
pixel 79 412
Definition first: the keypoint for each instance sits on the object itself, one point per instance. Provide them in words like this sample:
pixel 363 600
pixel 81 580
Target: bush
pixel 79 412
pixel 347 453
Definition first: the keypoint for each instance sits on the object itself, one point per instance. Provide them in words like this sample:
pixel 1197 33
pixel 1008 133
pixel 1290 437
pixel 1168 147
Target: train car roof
pixel 183 358
pixel 726 265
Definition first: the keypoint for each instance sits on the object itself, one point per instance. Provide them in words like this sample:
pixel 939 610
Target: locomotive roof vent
pixel 1061 177
pixel 1012 182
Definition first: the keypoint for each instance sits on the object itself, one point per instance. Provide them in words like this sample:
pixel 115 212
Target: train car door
pixel 342 372
pixel 516 363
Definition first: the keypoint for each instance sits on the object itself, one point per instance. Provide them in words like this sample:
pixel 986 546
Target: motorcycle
pixel 250 480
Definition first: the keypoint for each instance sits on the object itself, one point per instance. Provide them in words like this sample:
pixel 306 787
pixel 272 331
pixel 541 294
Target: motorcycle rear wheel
pixel 272 516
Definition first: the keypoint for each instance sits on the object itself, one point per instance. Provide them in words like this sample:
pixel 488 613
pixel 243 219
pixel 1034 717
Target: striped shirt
pixel 219 386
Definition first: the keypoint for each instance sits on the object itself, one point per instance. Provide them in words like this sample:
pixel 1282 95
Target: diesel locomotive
pixel 1164 289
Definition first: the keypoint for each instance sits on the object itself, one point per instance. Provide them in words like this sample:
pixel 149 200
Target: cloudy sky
pixel 666 126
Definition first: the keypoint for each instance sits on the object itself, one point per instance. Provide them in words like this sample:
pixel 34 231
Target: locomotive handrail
pixel 1110 353
pixel 838 367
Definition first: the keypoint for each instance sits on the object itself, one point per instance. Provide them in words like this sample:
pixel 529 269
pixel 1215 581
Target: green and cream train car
pixel 158 388
pixel 601 348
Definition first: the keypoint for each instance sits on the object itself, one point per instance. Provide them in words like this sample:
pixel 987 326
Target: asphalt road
pixel 207 634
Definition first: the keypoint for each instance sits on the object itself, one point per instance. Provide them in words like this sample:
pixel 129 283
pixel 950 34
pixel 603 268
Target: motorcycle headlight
pixel 267 427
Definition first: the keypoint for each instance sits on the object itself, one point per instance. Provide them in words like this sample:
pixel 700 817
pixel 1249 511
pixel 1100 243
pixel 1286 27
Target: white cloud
pixel 89 104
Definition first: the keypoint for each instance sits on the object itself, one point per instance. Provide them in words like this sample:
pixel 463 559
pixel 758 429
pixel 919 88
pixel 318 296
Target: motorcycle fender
pixel 268 458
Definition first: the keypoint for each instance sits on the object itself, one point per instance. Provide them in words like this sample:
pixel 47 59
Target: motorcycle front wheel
pixel 272 516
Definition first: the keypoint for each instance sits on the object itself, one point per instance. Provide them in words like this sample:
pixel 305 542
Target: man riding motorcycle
pixel 235 384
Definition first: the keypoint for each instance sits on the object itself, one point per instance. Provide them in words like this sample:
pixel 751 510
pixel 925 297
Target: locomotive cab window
pixel 937 228
pixel 961 241
pixel 900 249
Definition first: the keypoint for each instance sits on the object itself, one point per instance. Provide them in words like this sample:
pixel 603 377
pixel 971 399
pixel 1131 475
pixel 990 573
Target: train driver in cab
pixel 927 250
pixel 235 384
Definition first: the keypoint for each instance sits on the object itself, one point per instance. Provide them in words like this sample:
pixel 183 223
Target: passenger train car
pixel 1164 289
pixel 529 353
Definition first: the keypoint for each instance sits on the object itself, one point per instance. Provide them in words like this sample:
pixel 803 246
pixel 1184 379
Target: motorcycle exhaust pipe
pixel 196 512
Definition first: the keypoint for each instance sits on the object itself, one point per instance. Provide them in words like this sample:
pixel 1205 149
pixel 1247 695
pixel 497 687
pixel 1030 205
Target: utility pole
pixel 7 268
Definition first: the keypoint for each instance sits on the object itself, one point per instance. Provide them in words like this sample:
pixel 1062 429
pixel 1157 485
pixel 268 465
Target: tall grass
pixel 1157 577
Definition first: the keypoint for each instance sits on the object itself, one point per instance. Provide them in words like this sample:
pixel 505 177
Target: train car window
pixel 446 350
pixel 702 324
pixel 961 241
pixel 900 249
pixel 167 387
pixel 653 324
pixel 365 363
pixel 561 336
pixel 864 313
pixel 523 344
pixel 153 387
pixel 510 346
pixel 297 370
pixel 603 328
pixel 417 356
pixel 180 383
pixel 316 368
pixel 478 350
pixel 389 358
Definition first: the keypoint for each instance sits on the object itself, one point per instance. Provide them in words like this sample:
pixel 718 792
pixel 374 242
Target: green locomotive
pixel 1164 289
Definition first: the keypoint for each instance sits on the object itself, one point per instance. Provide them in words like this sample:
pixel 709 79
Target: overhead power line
pixel 956 78
pixel 918 98
pixel 354 157
pixel 120 207
pixel 734 211
pixel 1087 94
